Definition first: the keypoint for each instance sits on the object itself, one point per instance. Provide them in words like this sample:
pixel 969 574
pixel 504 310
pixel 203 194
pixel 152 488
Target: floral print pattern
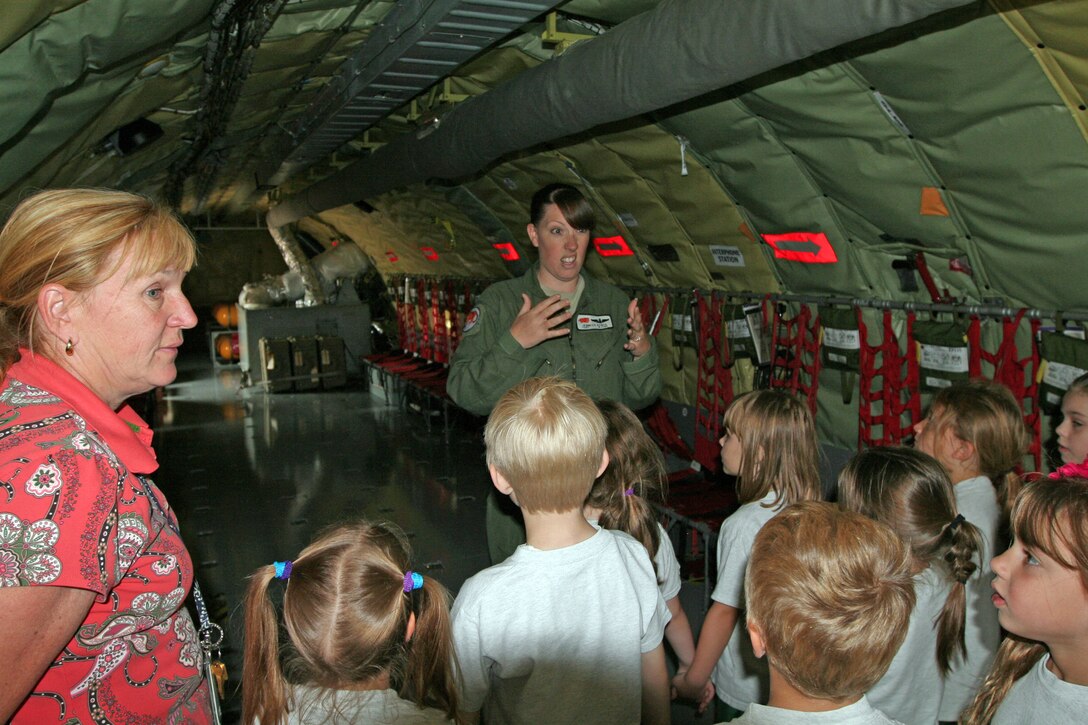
pixel 72 514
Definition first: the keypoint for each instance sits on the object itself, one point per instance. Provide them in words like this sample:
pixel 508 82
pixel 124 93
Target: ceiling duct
pixel 678 50
pixel 414 47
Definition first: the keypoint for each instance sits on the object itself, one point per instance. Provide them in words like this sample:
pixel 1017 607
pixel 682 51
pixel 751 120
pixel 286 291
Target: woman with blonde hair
pixel 93 571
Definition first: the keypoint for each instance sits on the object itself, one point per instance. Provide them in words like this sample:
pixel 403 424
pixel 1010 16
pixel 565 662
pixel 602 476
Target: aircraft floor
pixel 253 477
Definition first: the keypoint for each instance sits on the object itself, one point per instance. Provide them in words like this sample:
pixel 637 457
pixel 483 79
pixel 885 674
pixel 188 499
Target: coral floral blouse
pixel 77 510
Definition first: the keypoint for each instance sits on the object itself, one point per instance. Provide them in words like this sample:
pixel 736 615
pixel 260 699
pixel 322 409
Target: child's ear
pixel 963 451
pixel 604 464
pixel 759 649
pixel 501 484
pixel 411 629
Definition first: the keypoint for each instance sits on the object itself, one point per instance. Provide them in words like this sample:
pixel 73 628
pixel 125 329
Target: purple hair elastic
pixel 283 569
pixel 629 492
pixel 412 581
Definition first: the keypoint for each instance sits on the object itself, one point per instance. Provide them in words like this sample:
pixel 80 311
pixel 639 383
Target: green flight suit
pixel 489 361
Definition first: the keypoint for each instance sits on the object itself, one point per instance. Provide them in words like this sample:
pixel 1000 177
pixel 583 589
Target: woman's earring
pixel 68 348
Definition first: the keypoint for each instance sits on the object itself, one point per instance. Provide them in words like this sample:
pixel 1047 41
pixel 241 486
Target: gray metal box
pixel 275 360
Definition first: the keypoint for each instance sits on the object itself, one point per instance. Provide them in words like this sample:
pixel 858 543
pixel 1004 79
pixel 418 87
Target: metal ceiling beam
pixel 415 46
pixel 679 50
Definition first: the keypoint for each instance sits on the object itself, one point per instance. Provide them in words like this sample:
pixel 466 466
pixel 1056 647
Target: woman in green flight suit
pixel 553 320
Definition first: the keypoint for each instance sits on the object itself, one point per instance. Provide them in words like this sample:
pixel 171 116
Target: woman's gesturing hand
pixel 638 340
pixel 535 324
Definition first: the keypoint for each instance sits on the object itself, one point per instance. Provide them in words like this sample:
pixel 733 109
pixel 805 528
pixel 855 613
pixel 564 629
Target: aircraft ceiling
pixel 963 135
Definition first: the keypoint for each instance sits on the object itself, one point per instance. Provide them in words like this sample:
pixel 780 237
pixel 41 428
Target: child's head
pixel 545 438
pixel 1041 585
pixel 1073 430
pixel 982 414
pixel 976 428
pixel 1042 579
pixel 910 492
pixel 634 480
pixel 354 614
pixel 829 596
pixel 769 444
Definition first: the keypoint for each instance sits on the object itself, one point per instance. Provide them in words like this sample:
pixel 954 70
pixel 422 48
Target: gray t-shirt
pixel 558 636
pixel 316 706
pixel 976 499
pixel 860 713
pixel 910 691
pixel 1040 697
pixel 740 678
pixel 668 568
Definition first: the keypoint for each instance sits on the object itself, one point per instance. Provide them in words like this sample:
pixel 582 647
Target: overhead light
pixel 130 138
pixel 152 68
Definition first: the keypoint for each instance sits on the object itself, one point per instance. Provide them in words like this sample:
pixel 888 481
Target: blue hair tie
pixel 412 581
pixel 283 569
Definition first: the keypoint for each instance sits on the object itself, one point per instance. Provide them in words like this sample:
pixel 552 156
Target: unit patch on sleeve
pixel 594 322
pixel 471 319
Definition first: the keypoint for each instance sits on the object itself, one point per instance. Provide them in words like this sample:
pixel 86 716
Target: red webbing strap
pixel 795 342
pixel 913 404
pixel 409 340
pixel 449 307
pixel 974 348
pixel 714 388
pixel 891 363
pixel 438 323
pixel 866 373
pixel 668 437
pixel 1015 373
pixel 1034 417
pixel 423 333
pixel 893 383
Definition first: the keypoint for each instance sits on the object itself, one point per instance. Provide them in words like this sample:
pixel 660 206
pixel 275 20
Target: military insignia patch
pixel 471 319
pixel 594 322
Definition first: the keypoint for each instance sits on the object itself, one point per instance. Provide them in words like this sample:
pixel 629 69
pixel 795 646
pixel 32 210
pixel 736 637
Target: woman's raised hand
pixel 638 340
pixel 535 324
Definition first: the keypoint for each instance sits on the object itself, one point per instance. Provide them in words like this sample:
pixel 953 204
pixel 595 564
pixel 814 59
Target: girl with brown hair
pixel 624 497
pixel 1040 673
pixel 910 492
pixel 370 639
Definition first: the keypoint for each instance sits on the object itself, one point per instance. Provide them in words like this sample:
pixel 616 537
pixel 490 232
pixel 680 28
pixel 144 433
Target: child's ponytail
pixel 634 481
pixel 429 677
pixel 348 603
pixel 267 703
pixel 962 544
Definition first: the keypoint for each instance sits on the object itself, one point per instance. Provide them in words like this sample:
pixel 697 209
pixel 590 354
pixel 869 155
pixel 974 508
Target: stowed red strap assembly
pixel 714 387
pixel 1017 374
pixel 898 393
pixel 795 354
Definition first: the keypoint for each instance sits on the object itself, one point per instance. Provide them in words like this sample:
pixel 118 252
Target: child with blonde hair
pixel 624 497
pixel 769 444
pixel 568 629
pixel 370 638
pixel 976 432
pixel 909 491
pixel 1040 674
pixel 829 597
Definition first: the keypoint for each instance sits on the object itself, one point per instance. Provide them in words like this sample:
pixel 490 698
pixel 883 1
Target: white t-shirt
pixel 1040 697
pixel 976 499
pixel 740 678
pixel 668 568
pixel 316 706
pixel 558 636
pixel 910 691
pixel 860 713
